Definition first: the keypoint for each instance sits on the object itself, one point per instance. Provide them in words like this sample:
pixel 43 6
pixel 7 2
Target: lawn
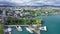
pixel 1 29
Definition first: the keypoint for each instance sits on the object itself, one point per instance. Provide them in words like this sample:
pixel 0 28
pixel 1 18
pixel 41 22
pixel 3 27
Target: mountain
pixel 8 4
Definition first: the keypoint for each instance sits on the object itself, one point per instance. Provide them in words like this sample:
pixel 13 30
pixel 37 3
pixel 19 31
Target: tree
pixel 25 21
pixel 1 29
pixel 38 21
pixel 10 20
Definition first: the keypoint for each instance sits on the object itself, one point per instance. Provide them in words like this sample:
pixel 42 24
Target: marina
pixel 28 28
pixel 29 16
pixel 52 23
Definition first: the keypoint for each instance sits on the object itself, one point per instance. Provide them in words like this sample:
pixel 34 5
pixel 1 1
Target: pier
pixel 31 27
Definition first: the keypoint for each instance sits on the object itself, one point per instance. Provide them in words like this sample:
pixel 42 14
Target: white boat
pixel 9 29
pixel 29 30
pixel 43 28
pixel 19 28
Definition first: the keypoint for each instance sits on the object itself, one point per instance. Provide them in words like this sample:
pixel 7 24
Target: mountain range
pixel 7 4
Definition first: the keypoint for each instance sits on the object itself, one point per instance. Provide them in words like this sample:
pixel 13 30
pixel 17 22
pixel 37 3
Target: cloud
pixel 18 1
pixel 33 2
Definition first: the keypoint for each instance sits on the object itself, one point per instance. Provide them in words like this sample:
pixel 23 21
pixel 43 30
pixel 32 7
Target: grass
pixel 1 29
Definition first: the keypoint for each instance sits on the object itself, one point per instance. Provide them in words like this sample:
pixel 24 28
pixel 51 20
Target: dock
pixel 22 25
pixel 29 26
pixel 15 25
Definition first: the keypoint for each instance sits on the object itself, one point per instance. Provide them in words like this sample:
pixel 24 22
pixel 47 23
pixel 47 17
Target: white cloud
pixel 1 0
pixel 28 2
pixel 34 2
pixel 45 1
pixel 19 1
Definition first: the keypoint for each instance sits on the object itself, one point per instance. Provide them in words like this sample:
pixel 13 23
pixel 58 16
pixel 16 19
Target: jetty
pixel 30 28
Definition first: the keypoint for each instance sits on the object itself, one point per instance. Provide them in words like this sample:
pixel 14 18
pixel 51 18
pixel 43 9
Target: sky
pixel 31 2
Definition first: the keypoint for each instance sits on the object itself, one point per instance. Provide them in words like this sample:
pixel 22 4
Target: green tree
pixel 38 21
pixel 1 29
pixel 11 20
pixel 25 21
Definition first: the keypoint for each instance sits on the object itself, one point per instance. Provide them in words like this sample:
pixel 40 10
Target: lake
pixel 52 22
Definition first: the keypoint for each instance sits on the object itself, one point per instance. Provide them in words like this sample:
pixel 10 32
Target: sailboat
pixel 43 28
pixel 19 28
pixel 29 30
pixel 9 30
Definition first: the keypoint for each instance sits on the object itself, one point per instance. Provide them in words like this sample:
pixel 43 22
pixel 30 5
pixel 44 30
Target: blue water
pixel 15 31
pixel 52 23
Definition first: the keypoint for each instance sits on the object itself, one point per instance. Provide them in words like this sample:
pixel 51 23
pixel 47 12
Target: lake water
pixel 52 22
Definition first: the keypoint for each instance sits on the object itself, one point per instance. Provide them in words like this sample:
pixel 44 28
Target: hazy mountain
pixel 8 4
